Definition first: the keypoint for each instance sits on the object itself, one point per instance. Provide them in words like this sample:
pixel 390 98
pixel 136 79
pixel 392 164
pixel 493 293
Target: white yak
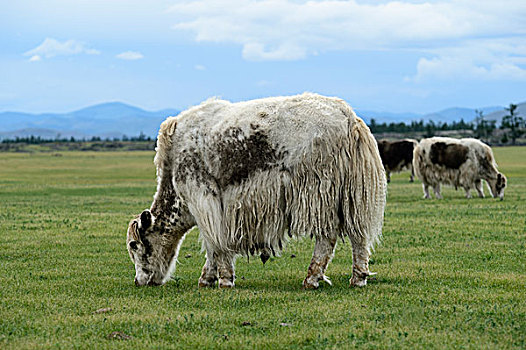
pixel 251 174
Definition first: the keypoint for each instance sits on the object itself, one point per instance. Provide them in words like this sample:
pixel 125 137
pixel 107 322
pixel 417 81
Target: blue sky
pixel 399 56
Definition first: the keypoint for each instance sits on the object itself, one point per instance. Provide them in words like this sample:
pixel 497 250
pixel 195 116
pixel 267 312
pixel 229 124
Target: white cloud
pixel 51 47
pixel 493 59
pixel 199 67
pixel 451 68
pixel 130 55
pixel 292 30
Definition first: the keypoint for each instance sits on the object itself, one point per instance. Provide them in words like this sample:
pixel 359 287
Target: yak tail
pixel 364 202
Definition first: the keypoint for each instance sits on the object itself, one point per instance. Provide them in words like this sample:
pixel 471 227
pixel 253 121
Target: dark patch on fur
pixel 341 216
pixel 395 153
pixel 142 229
pixel 166 198
pixel 449 155
pixel 133 245
pixel 146 219
pixel 264 257
pixel 501 182
pixel 192 166
pixel 241 155
pixel 486 168
pixel 485 164
pixel 147 249
pixel 165 204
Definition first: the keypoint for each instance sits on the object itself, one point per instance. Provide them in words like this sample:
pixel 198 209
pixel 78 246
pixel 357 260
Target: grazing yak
pixel 397 156
pixel 458 162
pixel 250 175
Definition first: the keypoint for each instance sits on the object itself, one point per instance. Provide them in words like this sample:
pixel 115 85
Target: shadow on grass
pixel 339 284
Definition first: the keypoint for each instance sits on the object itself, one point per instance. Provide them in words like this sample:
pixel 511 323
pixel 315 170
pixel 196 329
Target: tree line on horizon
pixel 511 128
pixel 39 140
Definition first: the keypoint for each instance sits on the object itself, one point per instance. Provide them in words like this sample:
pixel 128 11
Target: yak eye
pixel 133 245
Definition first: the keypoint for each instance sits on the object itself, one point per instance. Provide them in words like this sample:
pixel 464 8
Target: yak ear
pixel 145 219
pixel 133 230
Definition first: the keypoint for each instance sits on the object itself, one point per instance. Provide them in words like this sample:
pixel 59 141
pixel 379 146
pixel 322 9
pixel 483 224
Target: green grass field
pixel 451 273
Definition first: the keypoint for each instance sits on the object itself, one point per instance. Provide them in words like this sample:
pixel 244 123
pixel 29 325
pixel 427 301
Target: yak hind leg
pixel 360 263
pixel 321 257
pixel 425 187
pixel 209 273
pixel 436 189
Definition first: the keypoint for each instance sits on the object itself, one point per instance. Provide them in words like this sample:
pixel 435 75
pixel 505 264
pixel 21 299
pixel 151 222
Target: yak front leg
pixel 479 188
pixel 360 263
pixel 209 273
pixel 226 270
pixel 323 254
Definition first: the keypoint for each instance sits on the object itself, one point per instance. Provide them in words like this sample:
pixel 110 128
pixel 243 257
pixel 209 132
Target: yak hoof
pixel 310 284
pixel 225 283
pixel 361 281
pixel 358 282
pixel 206 283
pixel 313 283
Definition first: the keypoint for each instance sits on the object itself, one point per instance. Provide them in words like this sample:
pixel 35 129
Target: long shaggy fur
pixel 321 172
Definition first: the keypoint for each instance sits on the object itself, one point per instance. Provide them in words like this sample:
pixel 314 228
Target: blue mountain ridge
pixel 448 115
pixel 107 120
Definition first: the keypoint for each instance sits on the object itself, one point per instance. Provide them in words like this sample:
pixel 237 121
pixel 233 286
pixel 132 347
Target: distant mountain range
pixel 107 120
pixel 499 114
pixel 115 119
pixel 448 115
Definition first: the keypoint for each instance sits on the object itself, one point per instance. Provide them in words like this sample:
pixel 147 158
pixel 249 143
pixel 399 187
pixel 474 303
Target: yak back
pixel 221 144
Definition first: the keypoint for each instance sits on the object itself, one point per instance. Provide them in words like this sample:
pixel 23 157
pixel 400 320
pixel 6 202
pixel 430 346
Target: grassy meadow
pixel 451 272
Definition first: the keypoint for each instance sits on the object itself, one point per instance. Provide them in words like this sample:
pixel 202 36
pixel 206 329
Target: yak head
pixel 152 248
pixel 497 185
